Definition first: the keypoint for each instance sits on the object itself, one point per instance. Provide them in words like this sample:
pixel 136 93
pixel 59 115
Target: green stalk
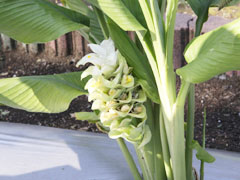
pixel 163 7
pixel 171 12
pixel 203 144
pixel 165 148
pixel 190 131
pixel 159 165
pixel 150 156
pixel 176 137
pixel 142 164
pixel 190 115
pixel 129 159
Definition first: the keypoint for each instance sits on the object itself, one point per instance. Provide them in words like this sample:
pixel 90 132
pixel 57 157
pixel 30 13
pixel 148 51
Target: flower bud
pixel 125 108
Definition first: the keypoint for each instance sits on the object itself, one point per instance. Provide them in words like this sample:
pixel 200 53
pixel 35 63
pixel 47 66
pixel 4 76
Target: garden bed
pixel 220 96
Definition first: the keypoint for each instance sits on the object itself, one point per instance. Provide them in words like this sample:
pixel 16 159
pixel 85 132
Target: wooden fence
pixel 75 45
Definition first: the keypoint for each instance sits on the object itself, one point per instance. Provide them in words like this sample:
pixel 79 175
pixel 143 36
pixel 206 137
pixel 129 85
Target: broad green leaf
pixel 88 116
pixel 213 53
pixel 38 20
pixel 202 154
pixel 79 6
pixel 95 31
pixel 119 13
pixel 48 94
pixel 135 59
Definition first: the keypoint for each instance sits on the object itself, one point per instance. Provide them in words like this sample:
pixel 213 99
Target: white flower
pixel 104 57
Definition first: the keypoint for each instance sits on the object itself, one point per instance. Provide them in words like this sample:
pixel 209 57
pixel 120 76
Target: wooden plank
pixel 62 46
pixel 21 46
pixel 33 49
pixel 181 39
pixel 229 73
pixel 6 43
pixel 50 48
pixel 86 49
pixel 238 73
pixel 77 45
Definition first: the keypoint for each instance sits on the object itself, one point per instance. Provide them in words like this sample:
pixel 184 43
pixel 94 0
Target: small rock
pixel 4 74
pixel 222 77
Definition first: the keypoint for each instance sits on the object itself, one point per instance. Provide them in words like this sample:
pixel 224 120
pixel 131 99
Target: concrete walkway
pixel 30 152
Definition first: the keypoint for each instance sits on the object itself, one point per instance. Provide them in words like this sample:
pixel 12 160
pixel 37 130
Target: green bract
pixel 116 94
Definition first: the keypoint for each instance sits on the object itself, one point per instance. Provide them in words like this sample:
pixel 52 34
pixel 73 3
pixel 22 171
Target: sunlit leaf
pixel 119 13
pixel 213 53
pixel 48 94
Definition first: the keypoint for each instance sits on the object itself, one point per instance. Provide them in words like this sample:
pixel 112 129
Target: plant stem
pixel 165 148
pixel 190 115
pixel 190 131
pixel 163 7
pixel 160 171
pixel 203 144
pixel 129 159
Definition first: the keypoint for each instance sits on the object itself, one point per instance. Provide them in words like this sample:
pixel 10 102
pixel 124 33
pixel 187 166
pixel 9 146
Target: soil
pixel 220 96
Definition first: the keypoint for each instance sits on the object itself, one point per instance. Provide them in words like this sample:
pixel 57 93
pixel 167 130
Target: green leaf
pixel 48 94
pixel 200 8
pixel 38 20
pixel 202 154
pixel 119 13
pixel 88 116
pixel 213 53
pixel 150 91
pixel 81 7
pixel 135 59
pixel 134 7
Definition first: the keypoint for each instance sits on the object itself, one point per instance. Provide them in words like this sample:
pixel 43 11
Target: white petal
pixel 91 58
pixel 98 104
pixel 98 49
pixel 92 70
pixel 108 45
pixel 112 58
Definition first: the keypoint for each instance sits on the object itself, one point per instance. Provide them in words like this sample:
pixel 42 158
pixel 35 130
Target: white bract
pixel 116 94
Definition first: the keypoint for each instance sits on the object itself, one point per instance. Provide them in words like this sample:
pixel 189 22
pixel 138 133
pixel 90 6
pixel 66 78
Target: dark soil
pixel 220 97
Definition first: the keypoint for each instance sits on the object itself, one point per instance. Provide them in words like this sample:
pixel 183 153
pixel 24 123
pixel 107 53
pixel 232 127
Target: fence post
pixel 50 48
pixel 62 46
pixel 77 44
pixel 33 49
pixel 6 43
